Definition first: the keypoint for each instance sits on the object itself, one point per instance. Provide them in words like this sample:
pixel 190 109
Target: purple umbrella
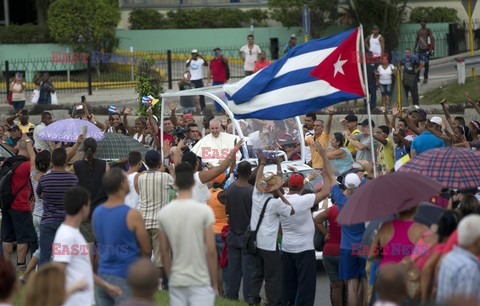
pixel 68 130
pixel 386 195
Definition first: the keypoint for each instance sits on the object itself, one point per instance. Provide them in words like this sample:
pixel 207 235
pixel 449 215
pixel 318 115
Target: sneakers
pixel 425 81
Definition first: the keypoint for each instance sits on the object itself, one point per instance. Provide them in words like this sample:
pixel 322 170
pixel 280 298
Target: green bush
pixel 24 34
pixel 196 18
pixel 145 19
pixel 149 82
pixel 437 14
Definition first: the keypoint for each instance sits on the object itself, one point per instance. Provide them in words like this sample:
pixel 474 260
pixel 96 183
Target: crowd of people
pixel 183 215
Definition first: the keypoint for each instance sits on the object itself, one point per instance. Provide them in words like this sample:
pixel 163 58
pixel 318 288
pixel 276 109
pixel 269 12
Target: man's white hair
pixel 469 230
pixel 215 120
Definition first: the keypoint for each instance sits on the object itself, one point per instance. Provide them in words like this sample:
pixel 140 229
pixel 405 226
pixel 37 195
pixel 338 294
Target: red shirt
pixel 451 242
pixel 21 184
pixel 259 65
pixel 219 74
pixel 332 247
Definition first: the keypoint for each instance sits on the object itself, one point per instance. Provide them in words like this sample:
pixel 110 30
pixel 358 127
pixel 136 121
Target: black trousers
pixel 199 84
pixel 299 278
pixel 267 267
pixel 413 89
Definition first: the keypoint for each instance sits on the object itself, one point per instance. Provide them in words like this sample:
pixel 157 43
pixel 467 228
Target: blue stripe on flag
pixel 299 107
pixel 259 83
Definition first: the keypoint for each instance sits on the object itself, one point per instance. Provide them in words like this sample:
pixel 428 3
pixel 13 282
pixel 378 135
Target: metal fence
pixel 117 70
pixel 451 40
pixel 189 3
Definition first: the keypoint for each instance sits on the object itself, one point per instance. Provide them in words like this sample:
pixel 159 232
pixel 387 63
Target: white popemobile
pixel 217 94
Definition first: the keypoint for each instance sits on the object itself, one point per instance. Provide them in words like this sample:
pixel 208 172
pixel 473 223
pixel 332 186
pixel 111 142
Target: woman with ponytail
pixel 90 172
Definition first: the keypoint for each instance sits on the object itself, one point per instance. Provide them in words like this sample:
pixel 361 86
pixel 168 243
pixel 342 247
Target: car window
pixel 4 152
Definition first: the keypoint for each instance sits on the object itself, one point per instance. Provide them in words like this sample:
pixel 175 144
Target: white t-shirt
pixel 200 191
pixel 184 223
pixel 78 263
pixel 132 199
pixel 196 69
pixel 268 231
pixel 298 229
pixel 250 56
pixel 385 75
pixel 40 144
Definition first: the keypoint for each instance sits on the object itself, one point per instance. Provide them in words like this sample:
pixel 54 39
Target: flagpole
pixel 365 76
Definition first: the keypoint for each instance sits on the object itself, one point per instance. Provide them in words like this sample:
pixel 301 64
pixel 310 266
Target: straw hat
pixel 270 182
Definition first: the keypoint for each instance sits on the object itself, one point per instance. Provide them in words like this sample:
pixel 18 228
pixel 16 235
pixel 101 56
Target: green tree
pixel 149 83
pixel 85 25
pixel 142 19
pixel 434 14
pixel 387 14
pixel 289 13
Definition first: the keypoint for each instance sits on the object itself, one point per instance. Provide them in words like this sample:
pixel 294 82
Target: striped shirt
pixel 52 187
pixel 153 189
pixel 459 275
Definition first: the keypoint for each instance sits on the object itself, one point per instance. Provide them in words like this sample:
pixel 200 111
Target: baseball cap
pixel 436 120
pixel 421 111
pixel 293 36
pixel 189 116
pixel 152 156
pixel 365 122
pixel 194 51
pixel 351 118
pixel 295 181
pixel 352 181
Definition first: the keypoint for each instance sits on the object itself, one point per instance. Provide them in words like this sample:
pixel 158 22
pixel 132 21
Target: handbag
pixel 250 245
pixel 10 97
pixel 54 99
pixel 35 96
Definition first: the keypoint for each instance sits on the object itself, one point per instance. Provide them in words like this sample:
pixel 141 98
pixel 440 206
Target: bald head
pixel 143 279
pixel 215 127
pixel 391 284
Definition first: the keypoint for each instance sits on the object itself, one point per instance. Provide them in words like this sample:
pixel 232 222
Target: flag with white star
pixel 313 75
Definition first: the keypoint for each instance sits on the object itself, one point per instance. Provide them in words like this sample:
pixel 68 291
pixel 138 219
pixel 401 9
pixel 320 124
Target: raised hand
pixel 172 107
pixel 331 110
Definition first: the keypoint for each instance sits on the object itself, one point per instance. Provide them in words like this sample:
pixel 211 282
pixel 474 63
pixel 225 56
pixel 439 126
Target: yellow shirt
pixel 317 161
pixel 350 146
pixel 25 128
pixel 386 158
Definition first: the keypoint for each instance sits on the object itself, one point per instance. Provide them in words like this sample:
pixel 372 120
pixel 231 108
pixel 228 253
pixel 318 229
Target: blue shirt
pixel 426 141
pixel 350 233
pixel 459 275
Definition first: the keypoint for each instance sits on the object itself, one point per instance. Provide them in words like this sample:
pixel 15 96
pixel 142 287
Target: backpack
pixel 7 169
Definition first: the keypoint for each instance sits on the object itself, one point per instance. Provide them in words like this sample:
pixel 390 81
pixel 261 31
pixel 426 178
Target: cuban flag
pixel 113 109
pixel 311 76
pixel 149 100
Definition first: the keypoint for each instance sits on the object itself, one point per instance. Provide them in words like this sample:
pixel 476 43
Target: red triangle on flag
pixel 341 68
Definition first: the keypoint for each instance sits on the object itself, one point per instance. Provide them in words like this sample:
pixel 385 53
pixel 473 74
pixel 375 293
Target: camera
pixel 180 133
pixel 83 99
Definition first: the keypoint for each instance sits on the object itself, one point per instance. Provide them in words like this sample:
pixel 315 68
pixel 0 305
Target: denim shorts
pixel 386 90
pixel 331 265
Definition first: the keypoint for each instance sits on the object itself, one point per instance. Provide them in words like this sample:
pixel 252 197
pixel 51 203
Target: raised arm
pixel 207 176
pixel 130 129
pixel 473 103
pixel 73 150
pixel 330 119
pixel 412 126
pixel 153 122
pixel 354 142
pixel 173 117
pixel 447 114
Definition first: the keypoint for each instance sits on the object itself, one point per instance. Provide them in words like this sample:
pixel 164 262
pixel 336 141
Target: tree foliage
pixel 85 25
pixel 434 14
pixel 149 83
pixel 289 13
pixel 196 19
pixel 24 34
pixel 387 14
pixel 145 19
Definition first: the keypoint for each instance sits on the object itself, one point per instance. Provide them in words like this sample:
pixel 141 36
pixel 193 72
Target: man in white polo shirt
pixel 268 261
pixel 298 252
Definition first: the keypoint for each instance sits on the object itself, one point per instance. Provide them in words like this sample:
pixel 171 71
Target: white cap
pixel 352 181
pixel 293 36
pixel 436 120
pixel 194 51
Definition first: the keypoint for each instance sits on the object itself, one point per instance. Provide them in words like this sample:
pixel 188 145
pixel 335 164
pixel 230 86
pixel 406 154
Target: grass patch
pixel 454 93
pixel 161 298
